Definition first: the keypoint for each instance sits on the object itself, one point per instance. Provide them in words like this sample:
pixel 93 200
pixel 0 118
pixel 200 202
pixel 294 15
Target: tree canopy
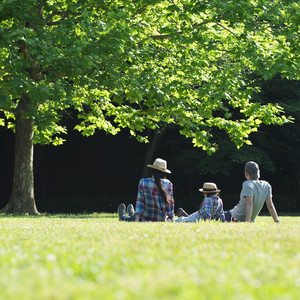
pixel 139 64
pixel 144 64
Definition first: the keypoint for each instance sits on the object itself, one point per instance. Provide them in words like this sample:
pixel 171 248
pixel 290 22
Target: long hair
pixel 165 196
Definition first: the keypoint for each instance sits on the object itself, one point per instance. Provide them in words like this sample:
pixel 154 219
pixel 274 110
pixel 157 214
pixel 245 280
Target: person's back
pixel 150 205
pixel 259 190
pixel 212 208
pixel 154 198
pixel 254 194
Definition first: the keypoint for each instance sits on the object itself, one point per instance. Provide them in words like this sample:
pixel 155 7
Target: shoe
pixel 122 211
pixel 130 210
pixel 181 213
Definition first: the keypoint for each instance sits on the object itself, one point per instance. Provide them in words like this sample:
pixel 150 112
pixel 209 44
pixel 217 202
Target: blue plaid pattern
pixel 212 209
pixel 149 204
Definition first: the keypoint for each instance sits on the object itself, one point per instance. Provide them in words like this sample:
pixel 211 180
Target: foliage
pixel 96 256
pixel 139 64
pixel 283 142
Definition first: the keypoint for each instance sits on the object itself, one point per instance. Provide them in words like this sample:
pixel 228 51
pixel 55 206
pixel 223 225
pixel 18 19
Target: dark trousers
pixel 229 217
pixel 128 219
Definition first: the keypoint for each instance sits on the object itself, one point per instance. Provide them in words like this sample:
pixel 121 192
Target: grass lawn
pixel 97 257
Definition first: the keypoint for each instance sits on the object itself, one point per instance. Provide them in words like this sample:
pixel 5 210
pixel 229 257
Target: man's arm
pixel 249 208
pixel 272 210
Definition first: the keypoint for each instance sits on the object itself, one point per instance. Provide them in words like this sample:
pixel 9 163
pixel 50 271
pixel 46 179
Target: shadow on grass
pixel 62 216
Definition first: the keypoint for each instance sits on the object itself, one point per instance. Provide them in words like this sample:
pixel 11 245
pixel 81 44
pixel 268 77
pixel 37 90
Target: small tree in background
pixel 138 65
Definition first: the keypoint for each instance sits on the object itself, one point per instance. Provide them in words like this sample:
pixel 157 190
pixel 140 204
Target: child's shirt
pixel 212 209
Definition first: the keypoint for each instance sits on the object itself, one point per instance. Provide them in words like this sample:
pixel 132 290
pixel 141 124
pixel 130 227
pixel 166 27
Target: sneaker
pixel 137 218
pixel 130 210
pixel 122 211
pixel 181 213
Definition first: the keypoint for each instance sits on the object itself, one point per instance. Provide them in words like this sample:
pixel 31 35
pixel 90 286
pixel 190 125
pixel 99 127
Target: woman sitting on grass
pixel 154 199
pixel 210 209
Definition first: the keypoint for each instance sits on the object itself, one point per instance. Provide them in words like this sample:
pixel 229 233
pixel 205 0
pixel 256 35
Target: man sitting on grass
pixel 254 194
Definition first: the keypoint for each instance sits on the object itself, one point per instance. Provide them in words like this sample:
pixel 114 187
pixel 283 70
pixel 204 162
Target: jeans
pixel 191 218
pixel 128 219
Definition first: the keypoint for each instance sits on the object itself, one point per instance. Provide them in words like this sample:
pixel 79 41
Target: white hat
pixel 160 164
pixel 209 187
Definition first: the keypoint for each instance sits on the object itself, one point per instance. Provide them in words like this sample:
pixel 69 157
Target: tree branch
pixel 63 13
pixel 140 10
pixel 219 24
pixel 167 36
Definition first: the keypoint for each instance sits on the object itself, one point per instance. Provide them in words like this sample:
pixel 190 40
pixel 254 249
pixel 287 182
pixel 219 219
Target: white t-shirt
pixel 259 190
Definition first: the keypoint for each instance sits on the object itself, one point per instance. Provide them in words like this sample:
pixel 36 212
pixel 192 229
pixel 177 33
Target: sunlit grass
pixel 97 257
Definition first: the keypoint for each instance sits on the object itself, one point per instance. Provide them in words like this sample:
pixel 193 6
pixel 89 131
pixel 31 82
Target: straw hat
pixel 209 187
pixel 160 164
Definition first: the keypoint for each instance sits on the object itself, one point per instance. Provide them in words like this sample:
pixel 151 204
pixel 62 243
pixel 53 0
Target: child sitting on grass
pixel 210 209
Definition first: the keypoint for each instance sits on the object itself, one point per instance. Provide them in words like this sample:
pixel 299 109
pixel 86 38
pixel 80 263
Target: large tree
pixel 138 64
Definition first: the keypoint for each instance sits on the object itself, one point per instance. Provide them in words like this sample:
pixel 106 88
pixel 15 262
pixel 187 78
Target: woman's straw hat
pixel 160 164
pixel 209 187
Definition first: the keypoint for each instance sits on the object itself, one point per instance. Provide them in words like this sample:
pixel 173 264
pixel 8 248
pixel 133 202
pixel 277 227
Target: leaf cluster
pixel 146 64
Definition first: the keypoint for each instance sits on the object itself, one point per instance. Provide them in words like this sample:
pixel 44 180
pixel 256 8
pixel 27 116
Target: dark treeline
pixel 97 173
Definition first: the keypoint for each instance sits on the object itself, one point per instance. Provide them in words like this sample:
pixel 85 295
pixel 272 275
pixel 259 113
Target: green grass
pixel 97 257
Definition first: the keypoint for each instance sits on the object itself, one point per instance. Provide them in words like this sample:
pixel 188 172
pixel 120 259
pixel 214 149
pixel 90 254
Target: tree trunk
pixel 22 197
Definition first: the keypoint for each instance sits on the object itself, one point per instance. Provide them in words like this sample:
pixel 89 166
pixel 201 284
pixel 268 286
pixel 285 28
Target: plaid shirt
pixel 149 204
pixel 212 209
